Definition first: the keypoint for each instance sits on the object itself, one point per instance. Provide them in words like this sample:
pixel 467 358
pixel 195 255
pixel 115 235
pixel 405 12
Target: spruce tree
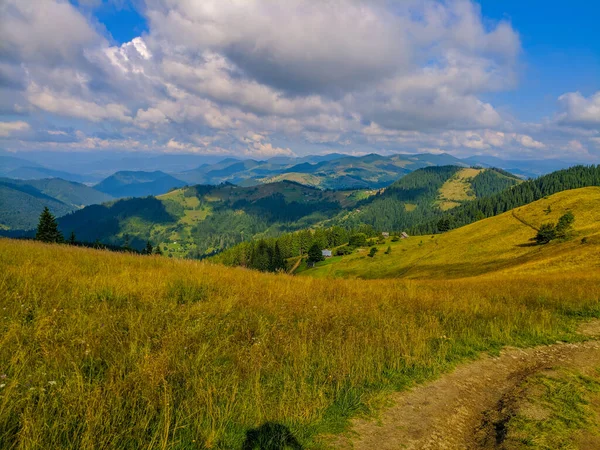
pixel 157 250
pixel 148 249
pixel 72 239
pixel 278 263
pixel 47 230
pixel 315 254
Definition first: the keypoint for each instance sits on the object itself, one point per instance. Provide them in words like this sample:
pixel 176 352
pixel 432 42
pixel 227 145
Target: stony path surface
pixel 467 408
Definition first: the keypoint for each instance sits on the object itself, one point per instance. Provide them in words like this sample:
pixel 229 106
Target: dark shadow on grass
pixel 270 436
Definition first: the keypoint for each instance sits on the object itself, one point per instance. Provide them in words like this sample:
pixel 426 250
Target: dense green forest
pixel 269 254
pixel 524 193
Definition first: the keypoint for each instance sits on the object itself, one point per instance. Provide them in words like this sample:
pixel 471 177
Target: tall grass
pixel 103 350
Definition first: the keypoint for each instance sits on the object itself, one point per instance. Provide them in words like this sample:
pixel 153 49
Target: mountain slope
pixel 500 244
pixel 21 205
pixel 138 184
pixel 424 195
pixel 22 201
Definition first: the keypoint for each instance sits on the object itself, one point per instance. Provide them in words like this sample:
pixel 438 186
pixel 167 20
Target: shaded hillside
pixel 138 184
pixel 20 206
pixel 501 244
pixel 21 202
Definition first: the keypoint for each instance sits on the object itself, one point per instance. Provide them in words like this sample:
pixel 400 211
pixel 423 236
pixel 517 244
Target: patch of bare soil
pixel 470 407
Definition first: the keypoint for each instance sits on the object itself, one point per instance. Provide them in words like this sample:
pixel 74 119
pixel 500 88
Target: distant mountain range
pixel 330 171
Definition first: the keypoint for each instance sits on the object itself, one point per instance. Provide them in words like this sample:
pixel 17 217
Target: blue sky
pixel 259 78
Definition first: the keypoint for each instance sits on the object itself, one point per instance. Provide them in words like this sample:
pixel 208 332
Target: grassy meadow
pixel 500 244
pixel 106 350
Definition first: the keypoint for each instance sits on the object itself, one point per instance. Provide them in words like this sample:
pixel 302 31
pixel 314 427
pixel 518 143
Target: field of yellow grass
pixel 118 351
pixel 498 245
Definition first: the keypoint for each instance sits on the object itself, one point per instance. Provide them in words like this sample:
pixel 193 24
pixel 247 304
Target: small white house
pixel 385 234
pixel 326 253
pixel 404 235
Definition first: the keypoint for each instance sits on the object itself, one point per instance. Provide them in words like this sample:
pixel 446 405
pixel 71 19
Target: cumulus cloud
pixel 8 128
pixel 578 110
pixel 235 76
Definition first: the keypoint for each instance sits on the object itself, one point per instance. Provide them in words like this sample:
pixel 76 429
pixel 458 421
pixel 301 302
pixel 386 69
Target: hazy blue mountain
pixel 138 184
pixel 523 168
pixel 9 163
pixel 37 173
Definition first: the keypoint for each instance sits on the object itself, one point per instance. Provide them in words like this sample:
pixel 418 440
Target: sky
pixel 262 78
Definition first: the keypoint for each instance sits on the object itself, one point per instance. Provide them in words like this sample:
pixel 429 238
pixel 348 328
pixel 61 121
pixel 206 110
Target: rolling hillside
pixel 138 184
pixel 21 202
pixel 196 220
pixel 497 245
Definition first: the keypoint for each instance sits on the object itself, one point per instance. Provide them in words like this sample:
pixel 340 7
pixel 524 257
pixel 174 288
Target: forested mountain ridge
pixel 425 194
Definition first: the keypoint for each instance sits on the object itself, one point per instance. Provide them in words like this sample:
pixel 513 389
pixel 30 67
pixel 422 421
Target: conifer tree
pixel 72 239
pixel 157 250
pixel 47 230
pixel 278 263
pixel 315 254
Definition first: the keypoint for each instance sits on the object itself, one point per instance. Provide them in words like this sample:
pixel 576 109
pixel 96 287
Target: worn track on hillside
pixel 468 408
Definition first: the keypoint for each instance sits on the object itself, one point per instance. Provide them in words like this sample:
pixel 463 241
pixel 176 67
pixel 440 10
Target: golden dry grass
pixel 457 189
pixel 105 350
pixel 499 244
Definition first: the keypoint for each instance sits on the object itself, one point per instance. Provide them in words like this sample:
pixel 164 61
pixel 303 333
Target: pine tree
pixel 148 249
pixel 157 250
pixel 278 263
pixel 72 239
pixel 47 230
pixel 389 250
pixel 315 254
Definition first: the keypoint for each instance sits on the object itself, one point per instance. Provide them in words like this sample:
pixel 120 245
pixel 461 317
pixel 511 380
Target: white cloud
pixel 65 105
pixel 578 110
pixel 8 128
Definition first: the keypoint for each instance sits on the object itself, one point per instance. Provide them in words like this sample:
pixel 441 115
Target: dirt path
pixel 467 409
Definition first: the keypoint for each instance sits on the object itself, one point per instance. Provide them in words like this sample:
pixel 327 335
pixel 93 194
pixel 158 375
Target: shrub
pixel 545 234
pixel 373 251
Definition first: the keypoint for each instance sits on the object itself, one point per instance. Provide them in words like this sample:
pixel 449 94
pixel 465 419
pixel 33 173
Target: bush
pixel 373 251
pixel 358 240
pixel 545 234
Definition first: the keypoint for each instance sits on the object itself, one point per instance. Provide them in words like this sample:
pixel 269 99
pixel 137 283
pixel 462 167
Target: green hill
pixel 500 244
pixel 21 202
pixel 193 221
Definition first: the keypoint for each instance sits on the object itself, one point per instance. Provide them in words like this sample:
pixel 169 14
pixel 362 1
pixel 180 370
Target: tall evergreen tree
pixel 157 250
pixel 315 253
pixel 148 249
pixel 72 239
pixel 47 230
pixel 277 263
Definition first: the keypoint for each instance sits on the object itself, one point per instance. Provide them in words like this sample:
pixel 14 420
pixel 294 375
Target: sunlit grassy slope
pixel 498 244
pixel 117 351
